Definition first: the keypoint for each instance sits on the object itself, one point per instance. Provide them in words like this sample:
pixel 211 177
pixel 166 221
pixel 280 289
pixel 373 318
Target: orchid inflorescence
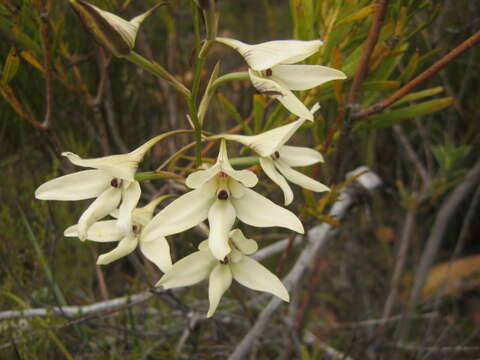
pixel 218 193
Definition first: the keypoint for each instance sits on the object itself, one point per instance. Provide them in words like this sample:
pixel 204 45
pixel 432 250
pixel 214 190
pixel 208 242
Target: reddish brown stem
pixel 47 55
pixel 362 70
pixel 427 74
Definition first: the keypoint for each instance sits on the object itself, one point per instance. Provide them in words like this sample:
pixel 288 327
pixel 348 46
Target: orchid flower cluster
pixel 218 193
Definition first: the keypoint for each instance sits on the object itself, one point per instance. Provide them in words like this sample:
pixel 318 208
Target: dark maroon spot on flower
pixel 276 154
pixel 135 229
pixel 224 261
pixel 222 174
pixel 222 195
pixel 115 182
pixel 268 72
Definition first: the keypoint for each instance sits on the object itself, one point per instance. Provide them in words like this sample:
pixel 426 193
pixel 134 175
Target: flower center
pixel 136 229
pixel 275 155
pixel 268 72
pixel 116 182
pixel 224 261
pixel 221 174
pixel 222 195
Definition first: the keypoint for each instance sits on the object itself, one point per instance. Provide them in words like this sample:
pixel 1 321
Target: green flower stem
pixel 192 108
pixel 241 75
pixel 157 70
pixel 155 175
pixel 244 161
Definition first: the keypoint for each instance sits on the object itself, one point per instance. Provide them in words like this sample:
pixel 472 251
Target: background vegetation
pixel 59 91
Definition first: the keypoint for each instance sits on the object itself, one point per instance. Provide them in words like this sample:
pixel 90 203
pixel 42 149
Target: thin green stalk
pixel 158 70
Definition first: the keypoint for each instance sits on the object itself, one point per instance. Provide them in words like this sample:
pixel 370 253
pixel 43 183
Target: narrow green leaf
pixel 11 65
pixel 302 15
pixel 393 117
pixel 419 95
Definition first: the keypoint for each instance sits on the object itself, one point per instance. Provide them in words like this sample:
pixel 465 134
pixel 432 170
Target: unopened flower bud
pixel 109 30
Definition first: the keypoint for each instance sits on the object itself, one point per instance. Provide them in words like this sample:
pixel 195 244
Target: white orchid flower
pixel 272 74
pixel 220 194
pixel 157 251
pixel 111 183
pixel 277 159
pixel 202 264
pixel 109 30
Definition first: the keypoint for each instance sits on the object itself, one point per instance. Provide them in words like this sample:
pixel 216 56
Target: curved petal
pixel 158 252
pixel 185 212
pixel 189 270
pixel 221 218
pixel 130 197
pixel 256 210
pixel 77 186
pixel 246 177
pixel 254 275
pixel 200 177
pixel 219 282
pixel 265 55
pixel 100 208
pixel 304 77
pixel 122 166
pixel 266 143
pixel 276 89
pixel 236 189
pixel 300 179
pixel 269 169
pixel 299 156
pixel 101 231
pixel 124 247
pixel 245 245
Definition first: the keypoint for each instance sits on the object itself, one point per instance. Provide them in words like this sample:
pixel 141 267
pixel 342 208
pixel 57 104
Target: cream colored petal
pixel 278 90
pixel 189 270
pixel 269 169
pixel 300 179
pixel 101 231
pixel 124 247
pixel 256 210
pixel 266 143
pixel 100 208
pixel 158 252
pixel 265 55
pixel 121 166
pixel 221 218
pixel 125 29
pixel 304 77
pixel 254 275
pixel 245 245
pixel 236 189
pixel 185 212
pixel 219 282
pixel 299 156
pixel 246 177
pixel 77 186
pixel 235 255
pixel 200 177
pixel 130 197
pixel 203 246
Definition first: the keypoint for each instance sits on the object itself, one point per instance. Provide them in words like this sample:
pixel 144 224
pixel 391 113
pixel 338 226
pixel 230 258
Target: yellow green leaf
pixel 357 16
pixel 11 65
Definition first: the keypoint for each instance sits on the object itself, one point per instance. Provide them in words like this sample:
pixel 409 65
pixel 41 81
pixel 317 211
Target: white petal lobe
pixel 304 77
pixel 256 210
pixel 299 156
pixel 269 169
pixel 189 270
pixel 101 231
pixel 77 186
pixel 219 282
pixel 300 179
pixel 101 207
pixel 254 275
pixel 130 197
pixel 221 218
pixel 185 212
pixel 124 247
pixel 158 252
